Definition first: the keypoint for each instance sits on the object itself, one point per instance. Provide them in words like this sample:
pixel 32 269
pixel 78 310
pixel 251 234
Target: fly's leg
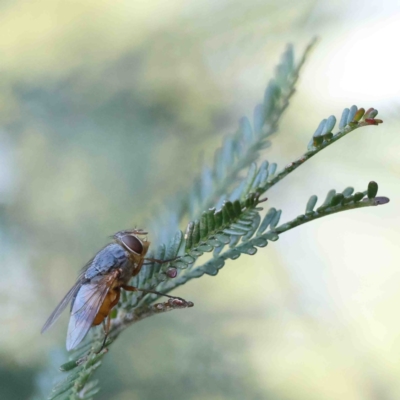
pixel 134 289
pixel 106 327
pixel 138 267
pixel 156 260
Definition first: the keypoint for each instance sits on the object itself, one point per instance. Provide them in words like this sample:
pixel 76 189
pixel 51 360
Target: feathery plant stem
pixel 334 203
pixel 232 227
pixel 142 312
pixel 302 219
pixel 312 152
pixel 268 116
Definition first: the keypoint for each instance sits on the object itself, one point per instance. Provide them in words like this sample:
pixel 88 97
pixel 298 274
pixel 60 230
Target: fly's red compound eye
pixel 132 243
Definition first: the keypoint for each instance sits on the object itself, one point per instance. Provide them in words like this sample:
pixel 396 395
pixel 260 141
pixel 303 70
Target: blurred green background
pixel 108 108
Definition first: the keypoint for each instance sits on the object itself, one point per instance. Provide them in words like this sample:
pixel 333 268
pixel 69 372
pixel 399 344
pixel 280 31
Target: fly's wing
pixel 86 306
pixel 67 298
pixel 63 303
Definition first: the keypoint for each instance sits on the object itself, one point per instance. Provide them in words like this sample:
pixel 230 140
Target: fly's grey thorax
pixel 112 257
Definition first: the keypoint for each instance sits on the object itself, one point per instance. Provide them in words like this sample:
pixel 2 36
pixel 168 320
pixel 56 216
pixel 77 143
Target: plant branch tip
pixel 380 200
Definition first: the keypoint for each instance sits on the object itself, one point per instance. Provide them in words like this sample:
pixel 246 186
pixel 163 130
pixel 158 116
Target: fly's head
pixel 134 242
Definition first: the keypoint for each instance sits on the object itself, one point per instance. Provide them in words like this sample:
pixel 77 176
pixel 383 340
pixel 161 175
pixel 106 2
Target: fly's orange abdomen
pixel 109 302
